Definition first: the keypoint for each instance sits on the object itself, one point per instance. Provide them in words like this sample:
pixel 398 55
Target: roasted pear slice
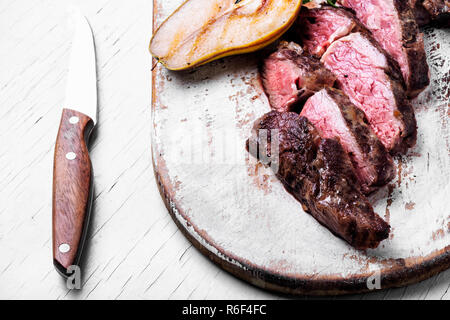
pixel 200 31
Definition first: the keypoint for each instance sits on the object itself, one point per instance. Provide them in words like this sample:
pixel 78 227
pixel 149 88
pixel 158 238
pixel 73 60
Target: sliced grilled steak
pixel 318 28
pixel 333 115
pixel 393 25
pixel 291 76
pixel 319 174
pixel 373 83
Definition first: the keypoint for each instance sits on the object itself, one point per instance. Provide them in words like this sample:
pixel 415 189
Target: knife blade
pixel 72 168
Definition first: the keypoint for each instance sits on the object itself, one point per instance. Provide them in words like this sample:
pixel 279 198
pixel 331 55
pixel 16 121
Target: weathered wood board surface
pixel 239 215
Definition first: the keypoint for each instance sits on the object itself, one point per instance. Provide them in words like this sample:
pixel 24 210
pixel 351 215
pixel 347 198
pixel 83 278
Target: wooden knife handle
pixel 72 188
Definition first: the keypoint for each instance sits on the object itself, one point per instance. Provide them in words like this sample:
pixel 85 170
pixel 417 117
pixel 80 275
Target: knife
pixel 72 168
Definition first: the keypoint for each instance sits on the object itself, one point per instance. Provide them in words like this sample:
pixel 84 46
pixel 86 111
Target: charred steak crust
pixel 439 11
pixel 434 12
pixel 405 110
pixel 421 14
pixel 375 152
pixel 309 76
pixel 413 43
pixel 335 116
pixel 366 229
pixel 319 174
pixel 296 134
pixel 406 113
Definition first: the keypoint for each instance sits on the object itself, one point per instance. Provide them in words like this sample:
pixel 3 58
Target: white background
pixel 134 249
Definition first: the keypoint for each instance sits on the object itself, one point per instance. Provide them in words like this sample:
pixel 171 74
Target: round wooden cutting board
pixel 237 213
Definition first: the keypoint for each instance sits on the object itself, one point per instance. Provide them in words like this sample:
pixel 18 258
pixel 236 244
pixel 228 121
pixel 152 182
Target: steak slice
pixel 393 25
pixel 319 174
pixel 290 76
pixel 372 82
pixel 317 28
pixel 333 115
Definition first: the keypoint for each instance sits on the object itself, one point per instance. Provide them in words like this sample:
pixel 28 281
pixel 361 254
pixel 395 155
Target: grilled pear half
pixel 200 31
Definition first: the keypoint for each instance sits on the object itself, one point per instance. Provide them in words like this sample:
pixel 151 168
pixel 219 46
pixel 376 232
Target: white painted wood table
pixel 134 249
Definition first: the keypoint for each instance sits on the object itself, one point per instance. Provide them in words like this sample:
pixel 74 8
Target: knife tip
pixel 76 16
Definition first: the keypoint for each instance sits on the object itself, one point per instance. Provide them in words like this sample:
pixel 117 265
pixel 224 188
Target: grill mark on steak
pixel 333 115
pixel 394 26
pixel 291 76
pixel 319 174
pixel 373 83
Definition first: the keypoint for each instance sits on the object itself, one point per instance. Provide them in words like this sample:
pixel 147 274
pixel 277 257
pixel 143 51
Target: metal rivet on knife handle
pixel 71 155
pixel 74 120
pixel 64 248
